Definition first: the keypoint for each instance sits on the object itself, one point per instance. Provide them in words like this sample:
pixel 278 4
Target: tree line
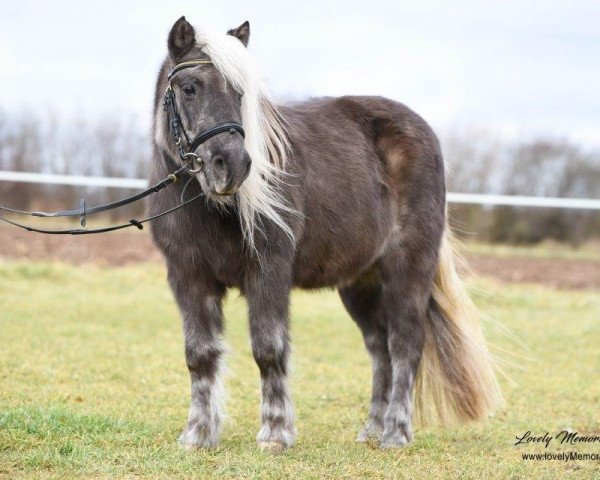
pixel 478 162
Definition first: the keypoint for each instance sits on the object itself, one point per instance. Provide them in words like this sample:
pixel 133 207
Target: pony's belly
pixel 331 262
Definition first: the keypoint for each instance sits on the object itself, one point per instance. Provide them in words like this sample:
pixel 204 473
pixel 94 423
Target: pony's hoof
pixel 194 447
pixel 272 447
pixel 194 438
pixel 370 431
pixel 188 447
pixel 395 440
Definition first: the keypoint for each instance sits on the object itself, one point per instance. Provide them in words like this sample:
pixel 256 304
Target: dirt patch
pixel 122 248
pixel 554 272
pixel 119 248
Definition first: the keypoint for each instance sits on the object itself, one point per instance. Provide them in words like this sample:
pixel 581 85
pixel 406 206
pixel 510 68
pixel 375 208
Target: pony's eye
pixel 189 89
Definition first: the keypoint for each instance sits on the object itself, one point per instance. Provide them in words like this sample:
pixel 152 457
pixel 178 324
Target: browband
pixel 187 64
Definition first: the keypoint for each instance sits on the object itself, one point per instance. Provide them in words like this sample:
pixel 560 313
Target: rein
pixel 187 155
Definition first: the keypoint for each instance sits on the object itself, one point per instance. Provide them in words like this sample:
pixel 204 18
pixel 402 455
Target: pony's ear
pixel 242 33
pixel 182 38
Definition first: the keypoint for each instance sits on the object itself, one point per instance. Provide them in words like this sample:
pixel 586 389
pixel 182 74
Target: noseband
pixel 188 155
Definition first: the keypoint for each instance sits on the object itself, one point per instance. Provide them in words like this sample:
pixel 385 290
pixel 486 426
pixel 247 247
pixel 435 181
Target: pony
pixel 344 192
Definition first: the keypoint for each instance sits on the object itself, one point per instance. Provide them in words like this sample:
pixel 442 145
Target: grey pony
pixel 366 176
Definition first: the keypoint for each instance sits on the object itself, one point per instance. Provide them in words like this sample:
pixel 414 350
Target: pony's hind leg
pixel 363 302
pixel 405 343
pixel 406 288
pixel 389 305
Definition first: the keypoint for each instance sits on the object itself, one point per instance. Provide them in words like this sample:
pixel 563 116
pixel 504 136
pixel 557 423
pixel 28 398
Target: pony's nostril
pixel 247 169
pixel 219 162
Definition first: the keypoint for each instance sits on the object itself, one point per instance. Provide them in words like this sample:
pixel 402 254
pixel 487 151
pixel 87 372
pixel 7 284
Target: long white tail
pixel 456 379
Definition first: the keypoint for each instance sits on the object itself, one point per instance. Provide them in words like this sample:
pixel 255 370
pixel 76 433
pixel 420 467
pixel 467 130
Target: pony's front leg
pixel 200 306
pixel 268 299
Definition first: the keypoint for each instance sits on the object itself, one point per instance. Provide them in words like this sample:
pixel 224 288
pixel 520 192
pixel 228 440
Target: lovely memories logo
pixel 564 437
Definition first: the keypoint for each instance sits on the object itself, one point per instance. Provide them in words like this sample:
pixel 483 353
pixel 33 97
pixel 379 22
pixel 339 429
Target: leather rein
pixel 192 164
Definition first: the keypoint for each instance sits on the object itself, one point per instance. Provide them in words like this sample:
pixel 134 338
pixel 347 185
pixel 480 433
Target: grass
pixel 93 384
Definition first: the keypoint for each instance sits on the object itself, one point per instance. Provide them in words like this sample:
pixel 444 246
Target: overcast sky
pixel 518 67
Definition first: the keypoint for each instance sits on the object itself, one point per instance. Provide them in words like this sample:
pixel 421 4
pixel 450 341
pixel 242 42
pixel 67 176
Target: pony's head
pixel 224 86
pixel 204 98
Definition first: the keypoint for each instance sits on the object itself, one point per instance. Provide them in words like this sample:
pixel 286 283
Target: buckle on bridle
pixel 191 158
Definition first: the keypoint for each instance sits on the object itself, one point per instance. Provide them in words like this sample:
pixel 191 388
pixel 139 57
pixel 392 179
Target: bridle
pixel 192 163
pixel 176 125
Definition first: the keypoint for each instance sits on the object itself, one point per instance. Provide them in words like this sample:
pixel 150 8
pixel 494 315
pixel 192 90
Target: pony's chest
pixel 222 260
pixel 202 246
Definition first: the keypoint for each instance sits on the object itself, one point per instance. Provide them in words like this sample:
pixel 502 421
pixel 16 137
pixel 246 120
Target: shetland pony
pixel 344 192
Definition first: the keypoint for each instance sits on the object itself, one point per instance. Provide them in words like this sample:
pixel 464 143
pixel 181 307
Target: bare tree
pixel 478 161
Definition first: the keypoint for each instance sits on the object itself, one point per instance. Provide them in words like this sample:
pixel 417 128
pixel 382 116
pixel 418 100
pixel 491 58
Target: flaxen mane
pixel 266 137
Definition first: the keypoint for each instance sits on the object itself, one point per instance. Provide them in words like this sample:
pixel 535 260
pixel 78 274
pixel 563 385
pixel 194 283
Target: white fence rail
pixel 472 198
pixel 523 201
pixel 50 179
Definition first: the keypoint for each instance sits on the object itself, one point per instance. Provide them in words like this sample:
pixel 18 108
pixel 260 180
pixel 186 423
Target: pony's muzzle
pixel 229 175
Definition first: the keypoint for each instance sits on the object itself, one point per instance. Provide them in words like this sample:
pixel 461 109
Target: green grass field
pixel 93 384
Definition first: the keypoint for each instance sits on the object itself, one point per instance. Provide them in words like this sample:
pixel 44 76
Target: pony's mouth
pixel 218 197
pixel 228 193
